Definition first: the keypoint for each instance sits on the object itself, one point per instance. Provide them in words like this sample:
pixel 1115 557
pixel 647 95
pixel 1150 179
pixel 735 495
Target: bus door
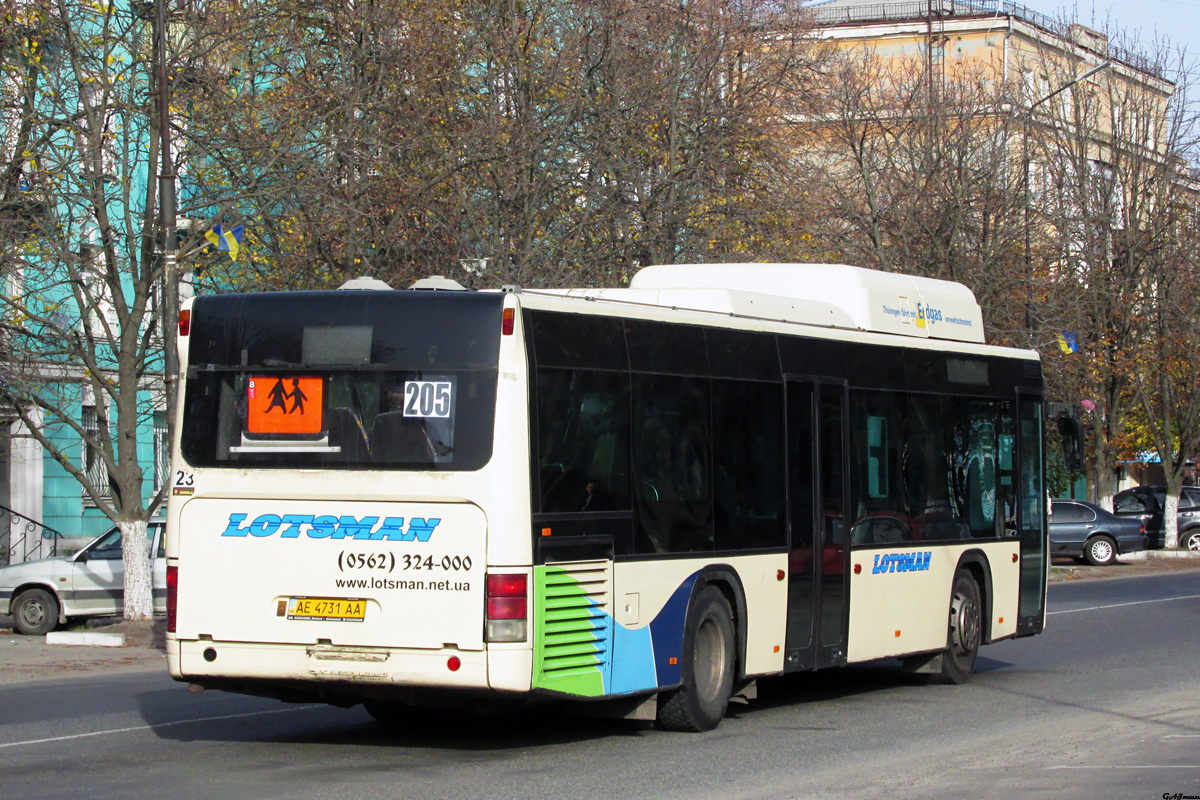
pixel 817 554
pixel 1031 516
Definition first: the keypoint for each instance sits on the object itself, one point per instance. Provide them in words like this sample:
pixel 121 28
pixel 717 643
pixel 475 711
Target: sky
pixel 1148 20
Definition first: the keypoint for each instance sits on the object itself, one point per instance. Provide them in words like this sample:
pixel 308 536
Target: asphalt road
pixel 1105 704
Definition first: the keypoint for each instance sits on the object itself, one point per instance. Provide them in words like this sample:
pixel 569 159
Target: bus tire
pixel 965 629
pixel 700 701
pixel 35 612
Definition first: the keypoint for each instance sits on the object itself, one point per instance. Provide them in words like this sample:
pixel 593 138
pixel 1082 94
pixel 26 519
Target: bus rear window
pixel 379 380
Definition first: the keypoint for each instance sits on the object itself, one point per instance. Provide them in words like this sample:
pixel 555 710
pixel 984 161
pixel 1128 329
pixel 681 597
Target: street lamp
pixel 1025 160
pixel 166 210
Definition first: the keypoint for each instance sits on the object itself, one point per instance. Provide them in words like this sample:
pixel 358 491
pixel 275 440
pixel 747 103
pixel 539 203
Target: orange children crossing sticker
pixel 284 405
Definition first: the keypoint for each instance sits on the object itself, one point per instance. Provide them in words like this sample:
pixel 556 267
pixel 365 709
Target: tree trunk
pixel 135 551
pixel 1104 481
pixel 1170 523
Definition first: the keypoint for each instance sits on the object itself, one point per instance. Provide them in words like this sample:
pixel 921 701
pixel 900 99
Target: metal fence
pixel 24 539
pixel 948 9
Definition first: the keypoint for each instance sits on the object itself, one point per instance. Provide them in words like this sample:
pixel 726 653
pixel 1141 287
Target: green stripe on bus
pixel 570 642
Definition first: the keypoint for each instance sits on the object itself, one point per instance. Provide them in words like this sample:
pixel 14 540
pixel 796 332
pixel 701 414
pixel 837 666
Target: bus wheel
pixel 962 640
pixel 699 703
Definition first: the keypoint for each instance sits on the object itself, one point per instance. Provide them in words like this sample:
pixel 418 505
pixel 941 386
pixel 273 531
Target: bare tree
pixel 1167 374
pixel 557 142
pixel 331 134
pixel 683 156
pixel 919 176
pixel 1104 166
pixel 80 314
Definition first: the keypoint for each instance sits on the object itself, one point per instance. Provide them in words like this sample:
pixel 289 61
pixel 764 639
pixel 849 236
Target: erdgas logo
pixel 928 314
pixel 291 526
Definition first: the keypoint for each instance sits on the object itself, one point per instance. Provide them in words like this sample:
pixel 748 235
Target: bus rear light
pixel 185 321
pixel 453 663
pixel 172 596
pixel 503 585
pixel 507 607
pixel 510 318
pixel 506 630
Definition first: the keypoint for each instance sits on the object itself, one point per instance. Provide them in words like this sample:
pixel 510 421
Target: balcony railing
pixel 25 539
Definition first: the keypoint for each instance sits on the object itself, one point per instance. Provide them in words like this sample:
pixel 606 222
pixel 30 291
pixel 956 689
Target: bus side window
pixel 879 499
pixel 672 465
pixel 748 458
pixel 981 478
pixel 583 441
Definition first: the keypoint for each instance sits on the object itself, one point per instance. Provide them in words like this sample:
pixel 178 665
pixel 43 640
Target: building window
pixel 162 449
pixel 96 147
pixel 99 318
pixel 93 462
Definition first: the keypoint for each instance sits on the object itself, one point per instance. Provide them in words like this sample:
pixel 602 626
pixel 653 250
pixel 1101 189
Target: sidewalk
pixel 26 659
pixel 1146 562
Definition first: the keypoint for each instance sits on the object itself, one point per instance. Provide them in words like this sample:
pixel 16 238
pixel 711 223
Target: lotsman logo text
pixel 902 562
pixel 290 526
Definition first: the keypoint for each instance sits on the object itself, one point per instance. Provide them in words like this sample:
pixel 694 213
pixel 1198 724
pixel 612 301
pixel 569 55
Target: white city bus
pixel 649 496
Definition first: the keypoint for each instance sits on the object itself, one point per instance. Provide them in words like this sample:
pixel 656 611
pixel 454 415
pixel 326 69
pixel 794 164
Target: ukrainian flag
pixel 226 241
pixel 1066 342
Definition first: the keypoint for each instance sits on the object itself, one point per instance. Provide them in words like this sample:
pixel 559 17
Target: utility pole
pixel 166 209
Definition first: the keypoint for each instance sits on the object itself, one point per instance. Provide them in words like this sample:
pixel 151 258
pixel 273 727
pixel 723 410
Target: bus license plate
pixel 328 609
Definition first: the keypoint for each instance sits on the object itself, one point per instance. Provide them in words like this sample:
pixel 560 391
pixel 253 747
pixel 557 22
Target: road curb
pixel 86 639
pixel 1144 556
pixel 1186 554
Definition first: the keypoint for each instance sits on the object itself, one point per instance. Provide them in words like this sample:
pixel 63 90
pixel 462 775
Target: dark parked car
pixel 1147 504
pixel 1089 532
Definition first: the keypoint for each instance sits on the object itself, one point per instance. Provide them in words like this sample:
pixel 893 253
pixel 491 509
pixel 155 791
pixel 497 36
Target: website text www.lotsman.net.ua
pixel 403 585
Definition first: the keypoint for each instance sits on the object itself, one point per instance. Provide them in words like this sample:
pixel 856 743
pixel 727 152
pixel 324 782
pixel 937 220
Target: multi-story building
pixel 1072 135
pixel 1026 54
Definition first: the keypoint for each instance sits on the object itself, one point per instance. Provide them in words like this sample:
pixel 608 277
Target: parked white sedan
pixel 42 594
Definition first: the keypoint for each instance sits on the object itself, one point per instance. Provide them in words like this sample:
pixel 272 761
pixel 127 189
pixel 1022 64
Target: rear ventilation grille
pixel 574 627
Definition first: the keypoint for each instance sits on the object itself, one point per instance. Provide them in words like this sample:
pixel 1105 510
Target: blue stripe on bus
pixel 666 631
pixel 642 656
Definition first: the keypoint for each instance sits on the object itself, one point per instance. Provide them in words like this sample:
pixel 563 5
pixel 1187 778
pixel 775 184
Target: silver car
pixel 42 594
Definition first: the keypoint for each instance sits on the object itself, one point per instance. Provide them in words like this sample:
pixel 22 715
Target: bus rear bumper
pixel 217 664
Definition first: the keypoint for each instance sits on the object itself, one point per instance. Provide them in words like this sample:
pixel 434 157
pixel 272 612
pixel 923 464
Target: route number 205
pixel 427 398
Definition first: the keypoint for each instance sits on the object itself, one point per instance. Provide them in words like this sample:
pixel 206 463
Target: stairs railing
pixel 24 539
